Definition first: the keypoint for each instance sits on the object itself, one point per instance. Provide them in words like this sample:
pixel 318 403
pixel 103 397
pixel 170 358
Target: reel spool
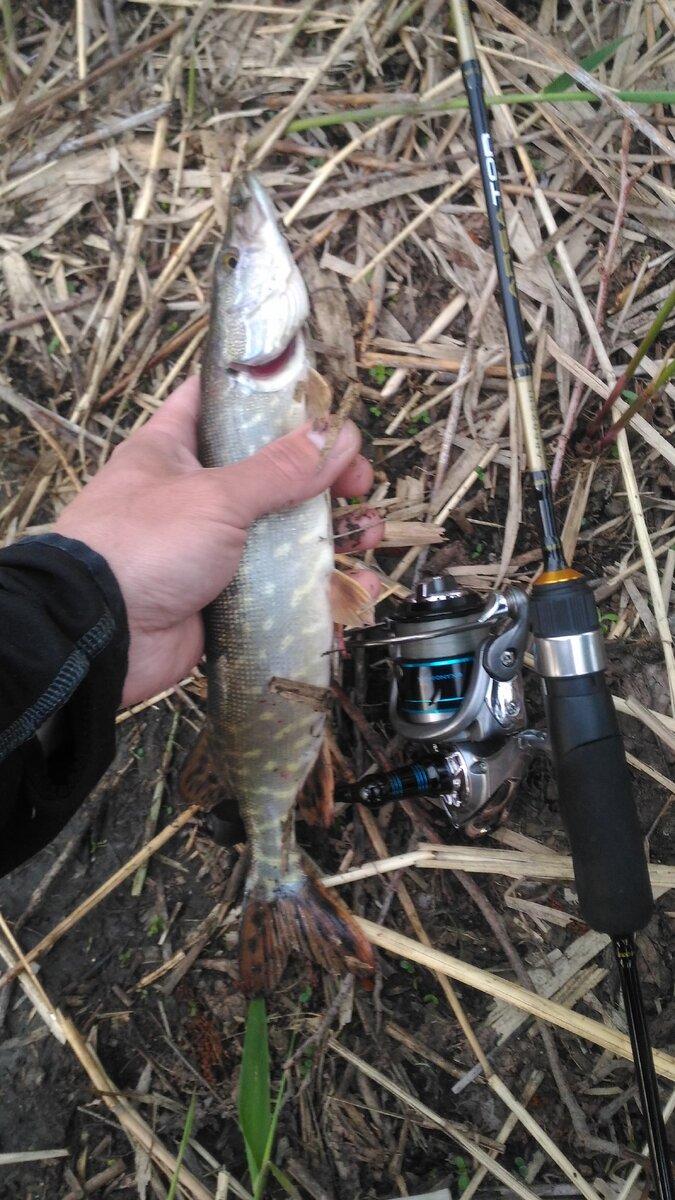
pixel 455 677
pixel 432 676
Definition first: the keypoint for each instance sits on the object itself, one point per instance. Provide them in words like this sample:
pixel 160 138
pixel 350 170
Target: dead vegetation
pixel 121 127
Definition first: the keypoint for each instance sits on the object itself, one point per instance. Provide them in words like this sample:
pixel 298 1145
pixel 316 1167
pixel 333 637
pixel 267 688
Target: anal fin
pixel 200 784
pixel 315 800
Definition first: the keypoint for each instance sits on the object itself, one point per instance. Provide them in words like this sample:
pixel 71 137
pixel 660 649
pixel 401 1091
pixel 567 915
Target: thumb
pixel 291 469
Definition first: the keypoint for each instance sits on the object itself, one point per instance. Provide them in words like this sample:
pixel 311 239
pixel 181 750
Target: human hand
pixel 172 531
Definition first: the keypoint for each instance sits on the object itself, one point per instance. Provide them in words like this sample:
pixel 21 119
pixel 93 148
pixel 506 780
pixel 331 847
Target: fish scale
pixel 274 618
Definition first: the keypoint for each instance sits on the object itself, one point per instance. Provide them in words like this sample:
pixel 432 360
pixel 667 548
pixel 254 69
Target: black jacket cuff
pixel 63 648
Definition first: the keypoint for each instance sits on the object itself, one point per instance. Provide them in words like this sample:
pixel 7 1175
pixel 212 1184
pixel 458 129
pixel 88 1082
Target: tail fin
pixel 304 917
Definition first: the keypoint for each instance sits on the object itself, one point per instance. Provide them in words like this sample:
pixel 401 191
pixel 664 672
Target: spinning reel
pixel 456 690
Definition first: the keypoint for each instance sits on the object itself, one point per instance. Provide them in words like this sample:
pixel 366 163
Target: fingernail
pixel 323 435
pixel 317 438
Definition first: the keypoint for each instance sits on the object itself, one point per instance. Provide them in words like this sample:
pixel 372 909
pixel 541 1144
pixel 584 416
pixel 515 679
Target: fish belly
pixel 273 620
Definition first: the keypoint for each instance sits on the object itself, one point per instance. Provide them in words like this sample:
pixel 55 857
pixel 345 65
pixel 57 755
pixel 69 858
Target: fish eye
pixel 230 259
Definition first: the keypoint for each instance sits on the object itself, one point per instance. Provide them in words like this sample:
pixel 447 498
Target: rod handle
pixel 597 806
pixel 594 785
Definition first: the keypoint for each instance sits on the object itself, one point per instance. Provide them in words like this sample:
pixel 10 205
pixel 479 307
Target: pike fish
pixel 274 619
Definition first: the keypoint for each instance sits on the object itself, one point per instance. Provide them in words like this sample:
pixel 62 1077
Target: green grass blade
pixel 284 1182
pixel 628 373
pixel 267 1154
pixel 419 108
pixel 589 63
pixel 187 1130
pixel 255 1120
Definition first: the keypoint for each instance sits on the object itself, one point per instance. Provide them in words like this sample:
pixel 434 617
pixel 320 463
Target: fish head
pixel 260 301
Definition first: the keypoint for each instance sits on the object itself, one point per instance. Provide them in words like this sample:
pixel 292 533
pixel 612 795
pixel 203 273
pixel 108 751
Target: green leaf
pixel 267 1156
pixel 285 1182
pixel 255 1118
pixel 521 1166
pixel 589 63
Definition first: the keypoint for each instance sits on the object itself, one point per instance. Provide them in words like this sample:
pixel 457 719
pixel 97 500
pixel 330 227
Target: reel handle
pixel 594 786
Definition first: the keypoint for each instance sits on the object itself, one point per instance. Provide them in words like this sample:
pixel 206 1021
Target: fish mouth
pixel 250 208
pixel 271 366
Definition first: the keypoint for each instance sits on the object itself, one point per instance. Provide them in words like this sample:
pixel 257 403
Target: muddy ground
pixel 336 1131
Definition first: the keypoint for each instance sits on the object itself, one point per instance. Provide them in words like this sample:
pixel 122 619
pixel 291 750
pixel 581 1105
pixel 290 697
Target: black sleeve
pixel 63 648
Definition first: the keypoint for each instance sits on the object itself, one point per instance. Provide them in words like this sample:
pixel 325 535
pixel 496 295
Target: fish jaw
pixel 260 301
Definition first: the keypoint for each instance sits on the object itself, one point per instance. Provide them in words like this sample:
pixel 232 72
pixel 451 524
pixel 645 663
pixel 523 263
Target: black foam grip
pixel 597 806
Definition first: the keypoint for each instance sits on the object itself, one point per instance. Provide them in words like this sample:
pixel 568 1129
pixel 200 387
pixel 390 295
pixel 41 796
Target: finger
pixel 370 590
pixel 370 581
pixel 179 414
pixel 358 531
pixel 289 470
pixel 357 480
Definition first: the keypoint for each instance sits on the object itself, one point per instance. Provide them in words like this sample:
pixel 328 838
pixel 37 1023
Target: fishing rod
pixel 594 787
pixel 457 690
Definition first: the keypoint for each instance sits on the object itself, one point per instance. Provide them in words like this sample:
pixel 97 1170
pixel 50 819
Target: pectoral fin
pixel 318 395
pixel 350 603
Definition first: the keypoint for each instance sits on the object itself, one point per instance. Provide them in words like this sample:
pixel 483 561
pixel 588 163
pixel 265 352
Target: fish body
pixel 274 619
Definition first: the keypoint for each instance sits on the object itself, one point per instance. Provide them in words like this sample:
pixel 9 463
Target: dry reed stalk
pixel 192 240
pixel 516 1188
pixel 577 509
pixel 517 1108
pixel 511 993
pixel 644 541
pixel 586 81
pixel 50 939
pixel 263 142
pixel 529 1091
pixel 65 1031
pixel 515 864
pixel 437 362
pixel 439 324
pixel 451 190
pixel 31 110
pixel 135 235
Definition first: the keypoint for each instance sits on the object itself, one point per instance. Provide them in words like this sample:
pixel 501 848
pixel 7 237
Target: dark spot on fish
pixel 253 944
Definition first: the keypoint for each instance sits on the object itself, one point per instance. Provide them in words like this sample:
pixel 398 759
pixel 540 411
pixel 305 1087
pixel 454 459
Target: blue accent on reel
pixel 434 662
